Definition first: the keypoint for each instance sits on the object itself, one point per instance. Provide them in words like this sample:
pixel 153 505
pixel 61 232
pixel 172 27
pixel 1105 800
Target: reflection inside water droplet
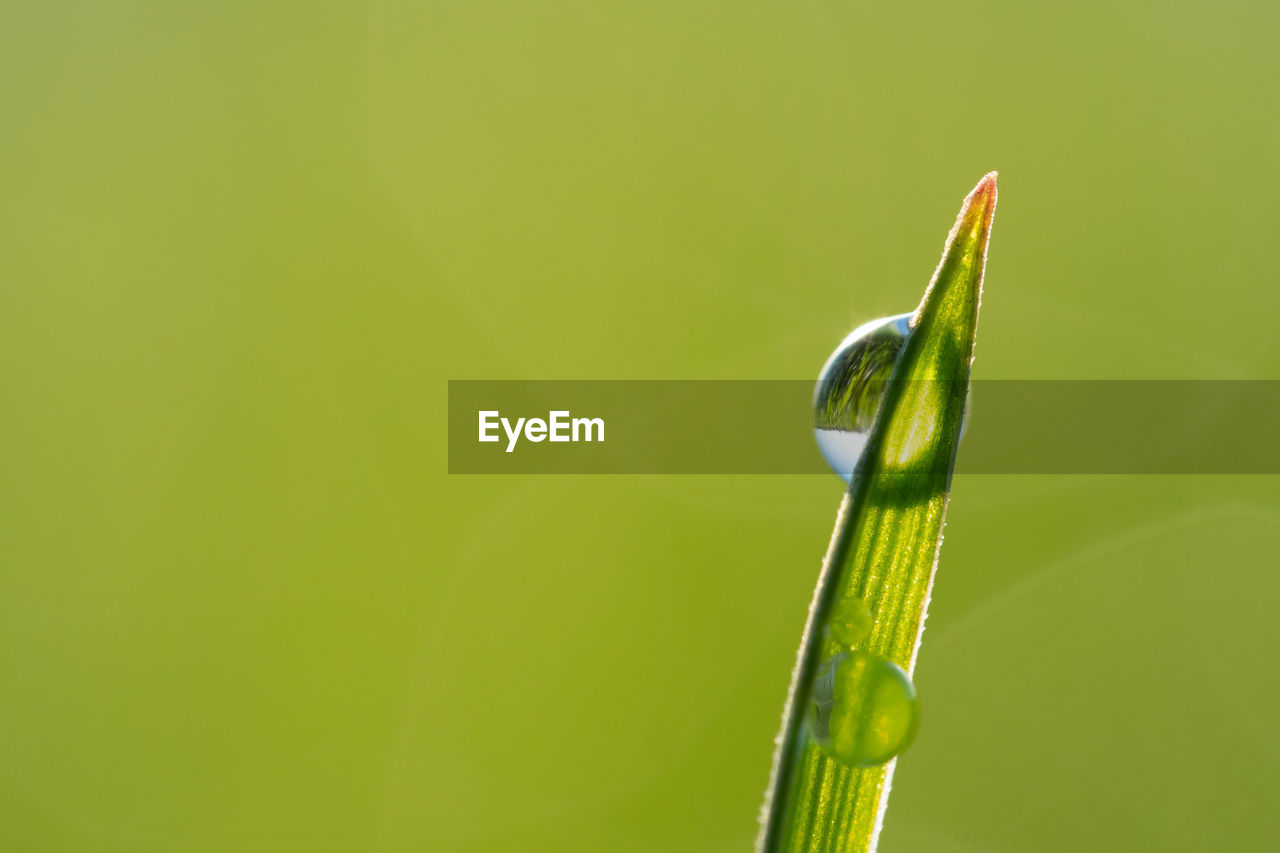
pixel 851 388
pixel 863 709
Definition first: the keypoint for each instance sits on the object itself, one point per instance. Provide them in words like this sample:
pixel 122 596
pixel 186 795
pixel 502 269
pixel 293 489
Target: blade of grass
pixel 885 546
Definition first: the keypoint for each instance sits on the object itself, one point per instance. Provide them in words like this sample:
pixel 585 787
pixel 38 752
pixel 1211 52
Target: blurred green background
pixel 244 608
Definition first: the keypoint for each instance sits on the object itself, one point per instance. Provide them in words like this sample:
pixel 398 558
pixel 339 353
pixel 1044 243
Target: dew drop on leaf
pixel 863 709
pixel 851 387
pixel 850 621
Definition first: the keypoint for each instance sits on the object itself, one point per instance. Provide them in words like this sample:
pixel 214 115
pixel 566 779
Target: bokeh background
pixel 244 608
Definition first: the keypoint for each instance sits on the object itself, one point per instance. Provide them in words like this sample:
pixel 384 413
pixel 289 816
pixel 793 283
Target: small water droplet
pixel 863 709
pixel 851 387
pixel 850 621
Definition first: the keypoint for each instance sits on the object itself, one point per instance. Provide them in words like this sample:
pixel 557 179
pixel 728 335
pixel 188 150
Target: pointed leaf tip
pixel 980 204
pixel 958 278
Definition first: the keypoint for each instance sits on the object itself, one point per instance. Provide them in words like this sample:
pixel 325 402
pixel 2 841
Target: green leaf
pixel 885 546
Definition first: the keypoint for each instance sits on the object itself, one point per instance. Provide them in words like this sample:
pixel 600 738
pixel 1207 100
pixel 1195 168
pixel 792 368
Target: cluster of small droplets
pixel 863 708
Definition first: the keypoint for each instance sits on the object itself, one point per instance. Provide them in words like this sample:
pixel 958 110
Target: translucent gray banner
pixel 766 427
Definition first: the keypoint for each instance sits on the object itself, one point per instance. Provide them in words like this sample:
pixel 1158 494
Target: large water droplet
pixel 863 709
pixel 851 388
